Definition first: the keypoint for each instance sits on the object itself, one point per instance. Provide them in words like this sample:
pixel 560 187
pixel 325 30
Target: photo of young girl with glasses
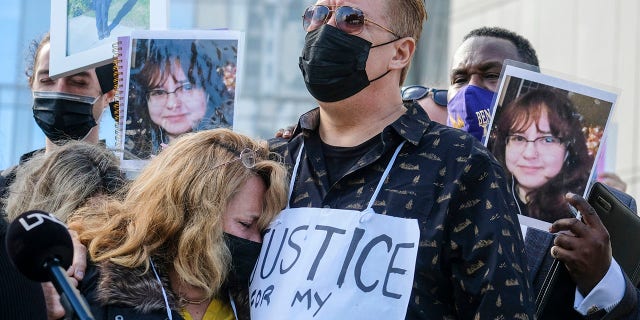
pixel 177 86
pixel 538 138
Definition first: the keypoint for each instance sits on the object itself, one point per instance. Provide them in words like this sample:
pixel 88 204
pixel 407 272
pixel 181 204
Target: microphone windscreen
pixel 35 238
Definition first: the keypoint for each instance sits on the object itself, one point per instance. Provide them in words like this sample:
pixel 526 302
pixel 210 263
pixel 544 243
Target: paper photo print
pixel 83 31
pixel 176 82
pixel 546 132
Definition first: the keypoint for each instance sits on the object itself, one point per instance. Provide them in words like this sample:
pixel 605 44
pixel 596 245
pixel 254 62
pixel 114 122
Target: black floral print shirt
pixel 471 258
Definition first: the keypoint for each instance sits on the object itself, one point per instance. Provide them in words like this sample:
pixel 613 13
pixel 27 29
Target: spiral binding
pixel 117 83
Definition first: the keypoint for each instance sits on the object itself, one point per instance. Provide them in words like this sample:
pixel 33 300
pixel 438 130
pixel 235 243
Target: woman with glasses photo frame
pixel 539 140
pixel 178 86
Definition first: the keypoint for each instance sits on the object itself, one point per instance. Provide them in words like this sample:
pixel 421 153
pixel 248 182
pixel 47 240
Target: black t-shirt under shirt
pixel 340 159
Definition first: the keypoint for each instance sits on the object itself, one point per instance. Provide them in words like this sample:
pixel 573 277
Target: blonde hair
pixel 173 209
pixel 63 179
pixel 406 19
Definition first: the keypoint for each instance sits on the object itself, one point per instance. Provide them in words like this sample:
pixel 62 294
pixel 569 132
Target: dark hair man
pixel 600 287
pixel 67 108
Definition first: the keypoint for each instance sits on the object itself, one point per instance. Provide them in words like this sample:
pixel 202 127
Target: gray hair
pixel 61 181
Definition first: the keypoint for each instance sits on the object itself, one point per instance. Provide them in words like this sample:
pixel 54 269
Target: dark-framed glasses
pixel 517 141
pixel 247 157
pixel 417 92
pixel 160 96
pixel 348 19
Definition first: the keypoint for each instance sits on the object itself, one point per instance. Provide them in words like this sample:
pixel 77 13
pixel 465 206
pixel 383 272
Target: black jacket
pixel 20 298
pixel 9 174
pixel 113 291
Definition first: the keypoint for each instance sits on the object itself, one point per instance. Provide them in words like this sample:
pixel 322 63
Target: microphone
pixel 40 247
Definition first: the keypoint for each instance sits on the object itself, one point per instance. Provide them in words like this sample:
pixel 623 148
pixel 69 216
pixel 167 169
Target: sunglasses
pixel 417 92
pixel 348 19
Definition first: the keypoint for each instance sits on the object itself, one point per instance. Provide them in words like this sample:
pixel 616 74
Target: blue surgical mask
pixel 469 110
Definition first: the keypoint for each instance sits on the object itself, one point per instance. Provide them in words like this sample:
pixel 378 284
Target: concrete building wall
pixel 593 42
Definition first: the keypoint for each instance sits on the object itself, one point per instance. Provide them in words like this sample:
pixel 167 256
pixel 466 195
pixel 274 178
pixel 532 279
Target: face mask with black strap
pixel 63 116
pixel 333 63
pixel 244 254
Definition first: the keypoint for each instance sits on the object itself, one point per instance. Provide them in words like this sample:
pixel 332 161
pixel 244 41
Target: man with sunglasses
pixel 390 215
pixel 433 101
pixel 474 78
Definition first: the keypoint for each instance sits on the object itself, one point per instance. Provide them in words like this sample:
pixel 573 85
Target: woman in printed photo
pixel 177 86
pixel 539 141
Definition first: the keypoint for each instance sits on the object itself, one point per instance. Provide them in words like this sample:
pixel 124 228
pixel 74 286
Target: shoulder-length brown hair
pixel 173 209
pixel 547 202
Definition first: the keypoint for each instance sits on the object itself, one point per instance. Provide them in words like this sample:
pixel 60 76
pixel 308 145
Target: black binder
pixel 624 234
pixel 624 229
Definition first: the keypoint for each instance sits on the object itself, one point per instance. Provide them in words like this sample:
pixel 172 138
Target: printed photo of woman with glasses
pixel 540 142
pixel 177 86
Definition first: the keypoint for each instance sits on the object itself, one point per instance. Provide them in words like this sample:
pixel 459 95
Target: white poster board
pixel 335 264
pixel 83 32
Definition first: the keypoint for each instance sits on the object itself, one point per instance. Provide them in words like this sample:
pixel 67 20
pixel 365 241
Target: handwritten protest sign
pixel 334 264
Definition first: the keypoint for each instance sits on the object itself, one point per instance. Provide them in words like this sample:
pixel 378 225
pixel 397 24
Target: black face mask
pixel 244 254
pixel 63 116
pixel 333 63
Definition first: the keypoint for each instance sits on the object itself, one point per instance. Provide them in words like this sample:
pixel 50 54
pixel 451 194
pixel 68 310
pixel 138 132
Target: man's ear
pixel 106 98
pixel 405 49
pixel 110 96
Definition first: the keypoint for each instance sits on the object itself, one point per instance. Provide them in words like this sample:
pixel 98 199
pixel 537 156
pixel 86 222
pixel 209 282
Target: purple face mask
pixel 469 110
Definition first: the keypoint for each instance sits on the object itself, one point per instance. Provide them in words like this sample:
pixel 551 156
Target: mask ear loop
pixel 164 293
pixel 379 45
pixel 97 121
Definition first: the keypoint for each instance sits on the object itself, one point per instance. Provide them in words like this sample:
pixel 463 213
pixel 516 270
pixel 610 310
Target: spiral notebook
pixel 172 82
pixel 120 51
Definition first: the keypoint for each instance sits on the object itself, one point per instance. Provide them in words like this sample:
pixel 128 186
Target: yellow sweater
pixel 217 310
